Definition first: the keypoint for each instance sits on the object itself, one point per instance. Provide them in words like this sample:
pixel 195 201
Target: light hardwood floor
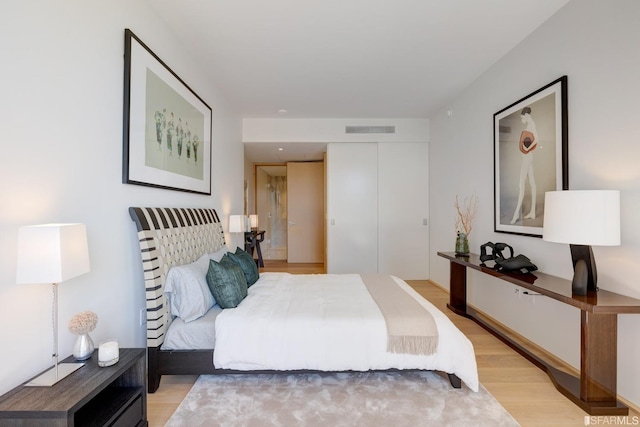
pixel 523 389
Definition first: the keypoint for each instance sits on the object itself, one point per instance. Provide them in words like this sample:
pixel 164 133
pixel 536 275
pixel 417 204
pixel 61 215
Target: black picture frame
pixel 166 125
pixel 530 157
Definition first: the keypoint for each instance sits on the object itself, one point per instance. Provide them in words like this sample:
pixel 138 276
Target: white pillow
pixel 217 255
pixel 187 290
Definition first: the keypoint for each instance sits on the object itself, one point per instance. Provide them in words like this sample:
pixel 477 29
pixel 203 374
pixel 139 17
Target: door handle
pixel 291 223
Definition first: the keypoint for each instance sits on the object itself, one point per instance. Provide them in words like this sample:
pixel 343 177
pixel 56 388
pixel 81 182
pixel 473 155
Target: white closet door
pixel 352 205
pixel 403 207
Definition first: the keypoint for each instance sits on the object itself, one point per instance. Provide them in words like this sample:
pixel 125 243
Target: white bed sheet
pixel 327 323
pixel 198 334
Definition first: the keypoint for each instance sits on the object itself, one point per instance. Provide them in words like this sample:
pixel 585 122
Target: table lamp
pixel 52 253
pixel 254 221
pixel 237 224
pixel 582 218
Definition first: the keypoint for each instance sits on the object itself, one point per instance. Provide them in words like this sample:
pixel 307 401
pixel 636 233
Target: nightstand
pixel 91 396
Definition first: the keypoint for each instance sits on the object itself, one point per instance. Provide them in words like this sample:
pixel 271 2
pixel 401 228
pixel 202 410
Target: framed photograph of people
pixel 167 126
pixel 530 157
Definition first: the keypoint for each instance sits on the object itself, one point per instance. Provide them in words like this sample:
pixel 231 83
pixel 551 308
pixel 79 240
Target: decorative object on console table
pixel 464 223
pixel 462 244
pixel 52 253
pixel 81 324
pixel 583 218
pixel 530 158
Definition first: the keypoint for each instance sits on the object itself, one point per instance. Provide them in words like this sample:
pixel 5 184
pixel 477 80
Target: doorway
pixel 271 207
pixel 290 204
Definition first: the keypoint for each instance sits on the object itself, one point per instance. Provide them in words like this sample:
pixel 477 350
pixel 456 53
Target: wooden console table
pixel 252 241
pixel 595 390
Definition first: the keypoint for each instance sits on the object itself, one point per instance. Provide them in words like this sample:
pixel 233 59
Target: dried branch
pixel 466 214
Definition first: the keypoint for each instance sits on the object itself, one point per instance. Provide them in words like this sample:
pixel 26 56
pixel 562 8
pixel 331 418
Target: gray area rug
pixel 336 399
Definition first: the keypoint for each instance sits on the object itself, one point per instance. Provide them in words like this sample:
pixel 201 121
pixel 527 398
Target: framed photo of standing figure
pixel 167 126
pixel 530 158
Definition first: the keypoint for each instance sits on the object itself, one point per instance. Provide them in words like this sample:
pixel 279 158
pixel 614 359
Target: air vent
pixel 370 129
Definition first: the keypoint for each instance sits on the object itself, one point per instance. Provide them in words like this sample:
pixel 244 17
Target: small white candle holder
pixel 108 353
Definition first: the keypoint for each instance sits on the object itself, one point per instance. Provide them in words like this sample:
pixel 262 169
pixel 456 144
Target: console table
pixel 595 390
pixel 90 396
pixel 252 241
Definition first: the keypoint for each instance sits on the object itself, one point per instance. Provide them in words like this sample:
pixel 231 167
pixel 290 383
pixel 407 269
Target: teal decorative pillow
pixel 247 264
pixel 227 282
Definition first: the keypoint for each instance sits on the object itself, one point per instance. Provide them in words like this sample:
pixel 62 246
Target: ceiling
pixel 348 58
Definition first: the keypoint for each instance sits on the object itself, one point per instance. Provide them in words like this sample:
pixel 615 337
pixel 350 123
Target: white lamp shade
pixel 236 223
pixel 52 253
pixel 582 217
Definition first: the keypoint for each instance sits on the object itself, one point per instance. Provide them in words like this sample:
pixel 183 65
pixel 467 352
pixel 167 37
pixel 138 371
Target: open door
pixel 305 212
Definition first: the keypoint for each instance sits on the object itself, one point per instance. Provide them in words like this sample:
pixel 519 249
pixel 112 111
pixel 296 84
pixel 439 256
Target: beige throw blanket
pixel 411 329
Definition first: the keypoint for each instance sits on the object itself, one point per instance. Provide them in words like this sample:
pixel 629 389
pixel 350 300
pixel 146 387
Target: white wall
pixel 61 161
pixel 596 45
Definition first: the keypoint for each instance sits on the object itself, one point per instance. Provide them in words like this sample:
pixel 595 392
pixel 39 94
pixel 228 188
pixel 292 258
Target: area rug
pixel 396 399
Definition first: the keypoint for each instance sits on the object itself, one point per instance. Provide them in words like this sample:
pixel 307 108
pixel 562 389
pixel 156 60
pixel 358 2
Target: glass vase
pixel 462 244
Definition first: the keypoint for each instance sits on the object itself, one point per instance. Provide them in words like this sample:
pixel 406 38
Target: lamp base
pixel 580 278
pixel 53 375
pixel 585 274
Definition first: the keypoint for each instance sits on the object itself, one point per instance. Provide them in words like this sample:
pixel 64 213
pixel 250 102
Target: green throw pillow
pixel 247 264
pixel 227 282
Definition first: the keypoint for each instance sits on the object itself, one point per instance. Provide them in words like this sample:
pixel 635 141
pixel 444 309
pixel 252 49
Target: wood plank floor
pixel 523 389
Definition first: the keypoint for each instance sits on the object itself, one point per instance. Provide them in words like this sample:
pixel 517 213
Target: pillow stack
pixel 221 277
pixel 247 264
pixel 229 279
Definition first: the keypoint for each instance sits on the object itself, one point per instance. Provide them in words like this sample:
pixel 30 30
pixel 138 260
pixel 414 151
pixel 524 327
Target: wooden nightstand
pixel 91 396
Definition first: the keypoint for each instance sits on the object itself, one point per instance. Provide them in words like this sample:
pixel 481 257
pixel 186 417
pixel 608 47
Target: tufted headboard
pixel 168 237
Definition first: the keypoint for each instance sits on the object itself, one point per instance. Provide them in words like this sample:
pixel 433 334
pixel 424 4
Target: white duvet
pixel 327 323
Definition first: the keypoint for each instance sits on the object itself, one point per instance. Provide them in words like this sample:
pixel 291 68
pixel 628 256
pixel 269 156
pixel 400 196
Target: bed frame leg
pixel 455 381
pixel 153 378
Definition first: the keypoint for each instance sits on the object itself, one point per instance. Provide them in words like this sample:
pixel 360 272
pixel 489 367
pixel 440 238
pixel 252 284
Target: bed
pixel 284 322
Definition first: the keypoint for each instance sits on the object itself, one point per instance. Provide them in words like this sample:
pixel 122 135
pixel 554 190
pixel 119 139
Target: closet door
pixel 352 208
pixel 403 207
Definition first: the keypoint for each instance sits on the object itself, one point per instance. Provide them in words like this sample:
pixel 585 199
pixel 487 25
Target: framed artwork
pixel 167 126
pixel 530 158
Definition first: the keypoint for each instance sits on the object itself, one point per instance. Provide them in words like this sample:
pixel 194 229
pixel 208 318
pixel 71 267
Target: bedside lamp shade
pixel 582 218
pixel 236 223
pixel 52 253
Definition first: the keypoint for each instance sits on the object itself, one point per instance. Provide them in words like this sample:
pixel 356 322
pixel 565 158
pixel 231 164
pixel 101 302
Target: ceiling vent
pixel 370 129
